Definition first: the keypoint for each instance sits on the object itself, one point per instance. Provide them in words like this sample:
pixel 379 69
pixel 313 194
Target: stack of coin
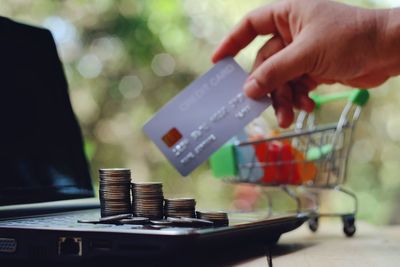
pixel 114 191
pixel 219 218
pixel 147 200
pixel 180 207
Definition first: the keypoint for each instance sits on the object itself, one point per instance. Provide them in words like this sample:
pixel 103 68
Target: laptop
pixel 44 175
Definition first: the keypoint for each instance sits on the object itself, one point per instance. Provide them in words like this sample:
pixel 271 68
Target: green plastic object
pixel 358 97
pixel 315 153
pixel 223 162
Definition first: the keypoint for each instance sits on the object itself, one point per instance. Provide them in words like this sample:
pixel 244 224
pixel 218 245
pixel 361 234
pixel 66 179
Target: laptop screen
pixel 31 181
pixel 41 146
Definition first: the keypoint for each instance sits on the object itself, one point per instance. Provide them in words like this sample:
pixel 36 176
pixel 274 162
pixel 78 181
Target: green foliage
pixel 124 59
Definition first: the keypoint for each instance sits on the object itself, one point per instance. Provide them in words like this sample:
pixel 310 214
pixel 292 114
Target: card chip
pixel 171 137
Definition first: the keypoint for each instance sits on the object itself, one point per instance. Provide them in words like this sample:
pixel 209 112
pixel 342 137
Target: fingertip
pixel 285 117
pixel 215 57
pixel 252 89
pixel 225 49
pixel 310 106
pixel 307 104
pixel 251 86
pixel 221 54
pixel 255 94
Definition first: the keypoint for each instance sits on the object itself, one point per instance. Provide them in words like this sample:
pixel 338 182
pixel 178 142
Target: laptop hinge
pixel 48 207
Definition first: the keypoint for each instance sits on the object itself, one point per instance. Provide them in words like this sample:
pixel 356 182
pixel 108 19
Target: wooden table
pixel 371 246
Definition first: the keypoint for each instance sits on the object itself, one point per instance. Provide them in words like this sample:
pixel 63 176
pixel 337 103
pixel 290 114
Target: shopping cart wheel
pixel 349 227
pixel 313 223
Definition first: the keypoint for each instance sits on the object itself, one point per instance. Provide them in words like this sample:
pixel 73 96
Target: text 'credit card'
pixel 204 116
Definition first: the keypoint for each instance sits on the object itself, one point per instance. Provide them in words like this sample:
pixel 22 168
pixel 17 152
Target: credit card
pixel 204 116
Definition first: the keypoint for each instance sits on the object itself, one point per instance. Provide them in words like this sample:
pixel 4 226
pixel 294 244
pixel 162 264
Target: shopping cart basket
pixel 311 157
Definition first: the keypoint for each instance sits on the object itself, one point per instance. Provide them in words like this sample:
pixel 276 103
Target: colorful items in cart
pixel 283 164
pixel 271 162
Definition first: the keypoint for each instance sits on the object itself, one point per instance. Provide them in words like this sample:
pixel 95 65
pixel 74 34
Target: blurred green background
pixel 124 59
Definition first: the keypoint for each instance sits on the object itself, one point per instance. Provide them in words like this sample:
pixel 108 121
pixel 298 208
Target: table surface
pixel 371 246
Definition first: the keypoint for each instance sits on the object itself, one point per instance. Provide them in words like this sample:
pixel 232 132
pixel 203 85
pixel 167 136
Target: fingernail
pixel 280 117
pixel 251 86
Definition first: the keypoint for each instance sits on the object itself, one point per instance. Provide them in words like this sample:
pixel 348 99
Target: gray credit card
pixel 204 116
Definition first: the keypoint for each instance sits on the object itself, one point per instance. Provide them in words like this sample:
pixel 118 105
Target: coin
pixel 119 219
pixel 115 218
pixel 219 218
pixel 161 222
pixel 114 191
pixel 180 207
pixel 147 200
pixel 135 220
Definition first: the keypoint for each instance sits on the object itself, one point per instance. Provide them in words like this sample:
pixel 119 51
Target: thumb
pixel 289 63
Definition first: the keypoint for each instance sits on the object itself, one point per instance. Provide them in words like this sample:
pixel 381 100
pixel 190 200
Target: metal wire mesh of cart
pixel 312 156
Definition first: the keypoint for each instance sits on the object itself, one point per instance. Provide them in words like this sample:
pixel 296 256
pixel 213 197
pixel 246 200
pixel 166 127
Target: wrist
pixel 389 23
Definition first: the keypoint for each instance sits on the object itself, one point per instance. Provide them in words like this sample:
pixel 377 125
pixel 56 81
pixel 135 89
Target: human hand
pixel 315 42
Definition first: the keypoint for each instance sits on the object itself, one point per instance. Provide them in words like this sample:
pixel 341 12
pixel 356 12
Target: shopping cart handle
pixel 358 97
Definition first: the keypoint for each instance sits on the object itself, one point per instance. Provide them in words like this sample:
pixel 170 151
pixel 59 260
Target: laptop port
pixel 70 246
pixel 8 245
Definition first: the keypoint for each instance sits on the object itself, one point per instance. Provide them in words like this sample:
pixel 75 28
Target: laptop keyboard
pixel 63 220
pixel 69 220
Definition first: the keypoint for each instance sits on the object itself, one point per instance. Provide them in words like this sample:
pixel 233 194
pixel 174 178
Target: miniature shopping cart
pixel 312 158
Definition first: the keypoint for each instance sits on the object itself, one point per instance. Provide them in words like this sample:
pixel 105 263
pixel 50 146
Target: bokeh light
pixel 125 59
pixel 130 86
pixel 163 64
